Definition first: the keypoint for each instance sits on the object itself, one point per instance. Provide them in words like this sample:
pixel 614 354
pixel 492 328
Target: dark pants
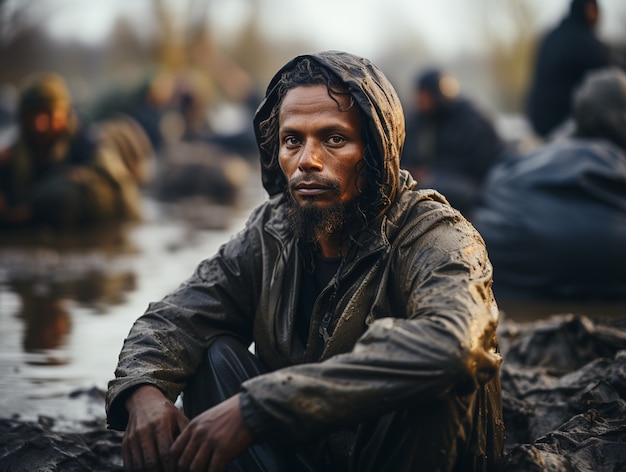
pixel 454 433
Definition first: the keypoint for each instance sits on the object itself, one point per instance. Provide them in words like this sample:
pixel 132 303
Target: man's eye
pixel 336 139
pixel 291 141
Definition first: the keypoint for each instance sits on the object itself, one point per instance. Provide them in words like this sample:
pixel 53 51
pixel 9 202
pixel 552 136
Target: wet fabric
pixel 555 222
pixel 227 365
pixel 423 437
pixel 398 344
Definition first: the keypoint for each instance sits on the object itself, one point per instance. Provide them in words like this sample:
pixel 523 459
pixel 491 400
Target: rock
pixel 35 446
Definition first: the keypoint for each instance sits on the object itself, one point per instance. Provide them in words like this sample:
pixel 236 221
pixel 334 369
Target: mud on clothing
pixel 414 323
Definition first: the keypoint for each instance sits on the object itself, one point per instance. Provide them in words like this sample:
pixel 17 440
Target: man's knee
pixel 226 365
pixel 228 354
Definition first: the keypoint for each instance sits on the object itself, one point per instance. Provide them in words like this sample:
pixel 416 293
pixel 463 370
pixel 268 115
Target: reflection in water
pixel 67 301
pixel 47 323
pixel 48 271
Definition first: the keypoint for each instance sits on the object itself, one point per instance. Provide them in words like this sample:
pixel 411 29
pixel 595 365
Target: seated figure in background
pixel 450 143
pixel 64 173
pixel 565 54
pixel 555 220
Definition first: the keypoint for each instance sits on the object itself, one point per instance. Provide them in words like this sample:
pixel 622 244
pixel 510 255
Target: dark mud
pixel 564 394
pixel 564 386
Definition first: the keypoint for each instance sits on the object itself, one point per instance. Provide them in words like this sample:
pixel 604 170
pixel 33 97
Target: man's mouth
pixel 310 188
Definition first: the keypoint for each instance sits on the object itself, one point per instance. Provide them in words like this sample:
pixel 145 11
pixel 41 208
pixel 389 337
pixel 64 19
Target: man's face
pixel 46 124
pixel 592 12
pixel 424 102
pixel 320 146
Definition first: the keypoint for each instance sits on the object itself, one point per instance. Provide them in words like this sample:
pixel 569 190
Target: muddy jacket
pixel 415 320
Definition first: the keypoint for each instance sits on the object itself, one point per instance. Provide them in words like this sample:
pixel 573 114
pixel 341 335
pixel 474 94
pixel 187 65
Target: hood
pixel 377 100
pixel 577 11
pixel 599 105
pixel 43 92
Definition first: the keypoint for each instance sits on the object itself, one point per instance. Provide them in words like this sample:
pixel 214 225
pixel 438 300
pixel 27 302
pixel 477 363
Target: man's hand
pixel 213 438
pixel 153 424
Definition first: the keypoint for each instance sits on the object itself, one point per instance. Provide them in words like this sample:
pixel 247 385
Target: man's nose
pixel 311 157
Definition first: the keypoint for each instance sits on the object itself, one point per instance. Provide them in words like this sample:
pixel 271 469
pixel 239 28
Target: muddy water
pixel 68 301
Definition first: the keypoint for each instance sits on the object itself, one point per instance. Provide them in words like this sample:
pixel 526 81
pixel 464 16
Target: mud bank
pixel 564 385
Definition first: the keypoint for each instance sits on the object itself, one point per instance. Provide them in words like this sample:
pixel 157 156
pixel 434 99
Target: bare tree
pixel 24 45
pixel 510 48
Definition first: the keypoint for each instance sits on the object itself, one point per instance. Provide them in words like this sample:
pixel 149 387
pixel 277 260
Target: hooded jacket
pixel 415 319
pixel 81 177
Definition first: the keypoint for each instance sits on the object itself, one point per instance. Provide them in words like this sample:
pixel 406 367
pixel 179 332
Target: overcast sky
pixel 361 26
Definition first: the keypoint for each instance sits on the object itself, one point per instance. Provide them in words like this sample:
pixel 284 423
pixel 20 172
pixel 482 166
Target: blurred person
pixel 8 99
pixel 563 57
pixel 8 128
pixel 148 103
pixel 196 165
pixel 367 300
pixel 554 220
pixel 60 172
pixel 450 143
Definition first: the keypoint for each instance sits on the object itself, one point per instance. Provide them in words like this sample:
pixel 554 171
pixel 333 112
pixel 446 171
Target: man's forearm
pixel 144 394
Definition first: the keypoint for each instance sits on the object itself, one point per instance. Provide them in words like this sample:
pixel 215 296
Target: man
pixel 60 172
pixel 555 220
pixel 564 56
pixel 451 144
pixel 368 303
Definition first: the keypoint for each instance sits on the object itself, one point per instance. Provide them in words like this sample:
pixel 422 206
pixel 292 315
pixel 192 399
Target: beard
pixel 309 221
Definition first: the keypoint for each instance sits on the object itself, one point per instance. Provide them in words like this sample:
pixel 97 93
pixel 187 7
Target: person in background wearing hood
pixel 450 143
pixel 368 303
pixel 61 172
pixel 555 220
pixel 564 55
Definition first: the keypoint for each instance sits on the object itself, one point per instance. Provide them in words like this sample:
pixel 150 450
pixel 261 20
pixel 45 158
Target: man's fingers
pixel 141 453
pixel 150 458
pixel 164 440
pixel 189 449
pixel 179 444
pixel 133 455
pixel 218 462
pixel 127 455
pixel 201 460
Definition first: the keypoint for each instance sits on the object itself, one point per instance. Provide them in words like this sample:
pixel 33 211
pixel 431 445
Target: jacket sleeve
pixel 444 341
pixel 165 345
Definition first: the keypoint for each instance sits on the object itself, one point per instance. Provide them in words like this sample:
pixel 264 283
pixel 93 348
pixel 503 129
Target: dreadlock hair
pixel 373 195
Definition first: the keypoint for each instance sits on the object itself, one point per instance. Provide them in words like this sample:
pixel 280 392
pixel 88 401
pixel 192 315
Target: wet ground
pixel 67 302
